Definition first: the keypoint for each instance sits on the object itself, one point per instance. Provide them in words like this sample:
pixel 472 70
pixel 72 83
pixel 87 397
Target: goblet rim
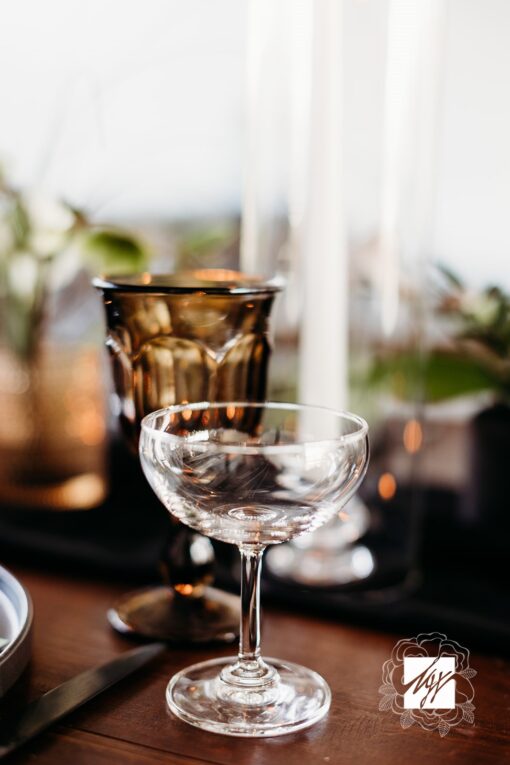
pixel 251 449
pixel 147 283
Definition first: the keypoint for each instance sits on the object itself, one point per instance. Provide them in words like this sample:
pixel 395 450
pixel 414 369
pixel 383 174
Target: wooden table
pixel 130 723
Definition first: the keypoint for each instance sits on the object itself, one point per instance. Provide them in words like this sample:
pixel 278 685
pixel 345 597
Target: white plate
pixel 16 616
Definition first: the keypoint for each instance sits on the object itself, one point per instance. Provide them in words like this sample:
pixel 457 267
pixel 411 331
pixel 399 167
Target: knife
pixel 57 703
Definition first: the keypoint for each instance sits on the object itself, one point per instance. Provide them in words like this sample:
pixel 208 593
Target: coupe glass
pixel 252 475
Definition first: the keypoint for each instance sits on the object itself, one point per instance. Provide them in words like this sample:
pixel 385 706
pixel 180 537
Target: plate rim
pixel 9 654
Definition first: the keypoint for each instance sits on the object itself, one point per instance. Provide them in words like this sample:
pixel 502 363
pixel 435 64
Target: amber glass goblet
pixel 192 336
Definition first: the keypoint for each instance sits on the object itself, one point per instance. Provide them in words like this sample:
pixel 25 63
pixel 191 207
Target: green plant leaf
pixel 449 375
pixel 204 246
pixel 452 278
pixel 435 377
pixel 113 252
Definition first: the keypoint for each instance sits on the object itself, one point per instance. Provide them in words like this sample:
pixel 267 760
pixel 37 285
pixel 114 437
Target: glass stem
pixel 249 636
pixel 249 681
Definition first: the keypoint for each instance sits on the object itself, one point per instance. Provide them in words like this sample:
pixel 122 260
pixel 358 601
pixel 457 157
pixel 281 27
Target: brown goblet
pixel 192 336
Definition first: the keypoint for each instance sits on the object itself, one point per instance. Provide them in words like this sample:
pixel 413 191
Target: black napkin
pixel 123 537
pixel 461 591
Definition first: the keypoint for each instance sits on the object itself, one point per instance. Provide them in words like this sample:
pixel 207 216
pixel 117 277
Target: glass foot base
pixel 299 698
pixel 161 614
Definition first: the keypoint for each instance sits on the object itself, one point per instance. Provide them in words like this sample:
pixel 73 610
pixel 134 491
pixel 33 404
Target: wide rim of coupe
pixel 148 426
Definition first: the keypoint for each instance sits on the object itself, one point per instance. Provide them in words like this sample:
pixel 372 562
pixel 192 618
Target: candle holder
pixel 193 336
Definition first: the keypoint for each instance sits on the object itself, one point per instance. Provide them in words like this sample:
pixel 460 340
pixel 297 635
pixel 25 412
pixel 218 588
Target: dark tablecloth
pixel 461 590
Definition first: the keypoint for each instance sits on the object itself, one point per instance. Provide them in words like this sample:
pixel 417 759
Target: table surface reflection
pixel 130 723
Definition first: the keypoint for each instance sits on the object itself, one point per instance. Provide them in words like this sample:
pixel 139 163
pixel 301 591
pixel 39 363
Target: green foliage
pixel 474 358
pixel 483 316
pixel 113 252
pixel 447 375
pixel 19 222
pixel 43 243
pixel 438 376
pixel 206 247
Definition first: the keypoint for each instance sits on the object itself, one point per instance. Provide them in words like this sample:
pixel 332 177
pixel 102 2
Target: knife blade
pixel 68 696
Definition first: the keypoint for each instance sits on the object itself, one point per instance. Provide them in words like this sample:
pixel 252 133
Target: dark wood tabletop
pixel 130 723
